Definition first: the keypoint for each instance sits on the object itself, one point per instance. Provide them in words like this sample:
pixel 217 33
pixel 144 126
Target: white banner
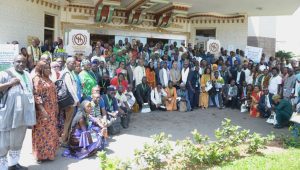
pixel 79 42
pixel 253 53
pixel 213 46
pixel 7 54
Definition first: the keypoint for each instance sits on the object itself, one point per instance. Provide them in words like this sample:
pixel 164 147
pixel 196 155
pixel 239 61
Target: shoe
pixel 17 167
pixel 278 126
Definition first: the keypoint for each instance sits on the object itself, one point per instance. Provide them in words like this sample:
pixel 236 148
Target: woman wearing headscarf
pixel 45 139
pixel 86 137
pixel 150 75
pixel 87 80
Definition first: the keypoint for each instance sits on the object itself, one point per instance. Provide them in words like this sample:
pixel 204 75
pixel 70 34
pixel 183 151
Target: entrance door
pixel 203 35
pixel 157 40
pixel 101 37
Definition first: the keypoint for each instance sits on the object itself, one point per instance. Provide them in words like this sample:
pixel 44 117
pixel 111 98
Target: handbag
pixel 208 86
pixel 64 97
pixel 146 108
pixel 244 107
pixel 182 106
pixel 125 121
pixel 272 119
pixel 115 127
pixel 295 118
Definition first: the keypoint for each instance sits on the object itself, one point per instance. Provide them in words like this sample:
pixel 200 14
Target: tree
pixel 282 54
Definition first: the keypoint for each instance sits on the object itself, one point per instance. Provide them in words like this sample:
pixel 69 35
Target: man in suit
pixel 239 76
pixel 230 95
pixel 130 69
pixel 265 104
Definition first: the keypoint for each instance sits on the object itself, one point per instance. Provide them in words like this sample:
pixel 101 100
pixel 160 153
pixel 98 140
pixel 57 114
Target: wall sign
pixel 78 42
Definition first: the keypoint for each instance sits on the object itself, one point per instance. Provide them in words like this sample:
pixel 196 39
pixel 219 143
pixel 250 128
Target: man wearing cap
pixel 283 110
pixel 111 105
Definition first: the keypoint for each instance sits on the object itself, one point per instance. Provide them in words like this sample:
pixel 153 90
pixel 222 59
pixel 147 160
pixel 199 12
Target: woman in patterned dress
pixel 45 139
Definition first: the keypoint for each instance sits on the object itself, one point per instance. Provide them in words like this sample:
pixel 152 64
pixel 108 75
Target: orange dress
pixel 45 139
pixel 150 75
pixel 171 99
pixel 254 103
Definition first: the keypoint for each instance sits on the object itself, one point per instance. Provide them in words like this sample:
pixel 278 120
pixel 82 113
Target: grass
pixel 288 160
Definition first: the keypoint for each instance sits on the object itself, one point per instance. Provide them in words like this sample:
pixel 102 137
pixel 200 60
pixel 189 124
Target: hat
pixel 111 88
pixel 85 62
pixel 215 66
pixel 95 58
pixel 276 97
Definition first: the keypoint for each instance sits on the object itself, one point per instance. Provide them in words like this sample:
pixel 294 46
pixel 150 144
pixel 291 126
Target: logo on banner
pixel 214 47
pixel 78 42
pixel 79 39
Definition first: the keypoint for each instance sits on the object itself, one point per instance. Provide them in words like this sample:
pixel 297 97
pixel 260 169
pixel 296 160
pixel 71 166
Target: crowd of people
pixel 103 89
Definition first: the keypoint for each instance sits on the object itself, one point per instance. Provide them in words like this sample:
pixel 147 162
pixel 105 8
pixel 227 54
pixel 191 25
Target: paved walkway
pixel 143 125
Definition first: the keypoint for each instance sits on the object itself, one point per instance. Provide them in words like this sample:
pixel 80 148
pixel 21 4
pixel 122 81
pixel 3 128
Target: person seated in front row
pixel 158 98
pixel 122 99
pixel 104 83
pixel 98 105
pixel 111 106
pixel 265 104
pixel 95 90
pixel 85 138
pixel 182 96
pixel 230 95
pixel 283 110
pixel 143 93
pixel 171 104
pixel 130 97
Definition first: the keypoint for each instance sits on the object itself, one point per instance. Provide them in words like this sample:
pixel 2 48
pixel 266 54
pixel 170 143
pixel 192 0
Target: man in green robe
pixel 283 110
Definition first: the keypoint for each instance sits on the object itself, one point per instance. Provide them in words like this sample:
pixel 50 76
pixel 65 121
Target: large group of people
pixel 103 89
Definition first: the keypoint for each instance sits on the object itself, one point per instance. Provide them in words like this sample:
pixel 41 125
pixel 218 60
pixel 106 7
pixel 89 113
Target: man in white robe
pixel 16 113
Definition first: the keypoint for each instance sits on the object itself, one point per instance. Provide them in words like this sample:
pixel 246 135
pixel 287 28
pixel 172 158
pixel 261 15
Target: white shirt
pixel 273 84
pixel 185 74
pixel 156 97
pixel 267 100
pixel 138 74
pixel 238 76
pixel 247 76
pixel 262 67
pixel 121 99
pixel 130 99
pixel 165 76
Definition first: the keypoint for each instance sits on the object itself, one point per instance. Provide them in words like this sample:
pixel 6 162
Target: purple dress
pixel 85 139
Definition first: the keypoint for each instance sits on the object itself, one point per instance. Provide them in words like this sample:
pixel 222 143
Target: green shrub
pixel 292 140
pixel 196 153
